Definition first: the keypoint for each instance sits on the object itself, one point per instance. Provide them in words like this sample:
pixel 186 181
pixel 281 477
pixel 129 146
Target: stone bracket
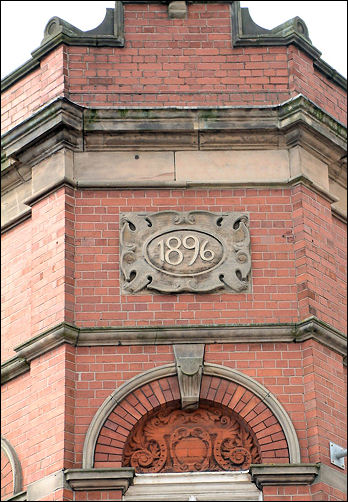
pixel 100 479
pixel 189 364
pixel 283 474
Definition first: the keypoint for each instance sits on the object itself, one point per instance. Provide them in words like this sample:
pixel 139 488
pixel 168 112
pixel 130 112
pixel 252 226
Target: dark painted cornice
pixel 246 33
pixel 110 33
pixel 311 328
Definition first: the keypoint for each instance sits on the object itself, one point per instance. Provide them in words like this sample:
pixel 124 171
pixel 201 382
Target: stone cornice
pixel 310 328
pixel 62 123
pixel 16 220
pixel 50 119
pixel 283 474
pixel 64 126
pixel 13 367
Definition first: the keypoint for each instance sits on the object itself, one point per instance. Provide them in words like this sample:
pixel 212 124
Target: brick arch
pixel 159 387
pixel 139 407
pixel 250 408
pixel 114 433
pixel 11 471
pixel 6 476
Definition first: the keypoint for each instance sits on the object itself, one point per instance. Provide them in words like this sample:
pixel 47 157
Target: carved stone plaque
pixel 195 251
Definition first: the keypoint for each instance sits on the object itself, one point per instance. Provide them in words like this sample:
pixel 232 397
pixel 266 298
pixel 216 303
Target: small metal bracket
pixel 337 454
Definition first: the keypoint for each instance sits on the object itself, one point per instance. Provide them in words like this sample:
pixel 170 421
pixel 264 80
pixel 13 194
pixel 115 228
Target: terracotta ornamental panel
pixel 195 251
pixel 207 439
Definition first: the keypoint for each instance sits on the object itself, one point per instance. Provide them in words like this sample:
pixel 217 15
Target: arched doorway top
pixel 253 388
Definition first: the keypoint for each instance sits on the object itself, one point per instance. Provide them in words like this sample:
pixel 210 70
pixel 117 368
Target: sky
pixel 23 24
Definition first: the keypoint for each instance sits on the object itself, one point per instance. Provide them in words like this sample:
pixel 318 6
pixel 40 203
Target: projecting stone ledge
pixel 100 479
pixel 283 474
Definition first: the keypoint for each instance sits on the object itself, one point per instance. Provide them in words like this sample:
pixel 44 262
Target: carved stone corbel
pixel 189 364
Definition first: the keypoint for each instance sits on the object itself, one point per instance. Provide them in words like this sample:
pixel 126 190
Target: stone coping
pixel 245 33
pixel 110 33
pixel 311 328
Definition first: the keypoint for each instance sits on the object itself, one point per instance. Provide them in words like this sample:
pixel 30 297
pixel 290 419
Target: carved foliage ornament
pixel 195 251
pixel 208 439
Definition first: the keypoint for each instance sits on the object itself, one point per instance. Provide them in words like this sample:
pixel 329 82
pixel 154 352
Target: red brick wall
pixel 35 418
pixel 325 404
pixel 66 387
pixel 320 254
pixel 283 493
pixel 37 259
pixel 98 298
pixel 287 371
pixel 15 276
pixel 173 62
pixel 34 90
pixel 298 263
pixel 305 79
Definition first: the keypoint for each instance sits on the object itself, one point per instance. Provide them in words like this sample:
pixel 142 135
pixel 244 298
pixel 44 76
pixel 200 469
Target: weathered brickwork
pixel 37 415
pixel 36 260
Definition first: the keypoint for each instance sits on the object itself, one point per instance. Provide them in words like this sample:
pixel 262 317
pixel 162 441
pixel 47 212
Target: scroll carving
pixel 196 251
pixel 207 439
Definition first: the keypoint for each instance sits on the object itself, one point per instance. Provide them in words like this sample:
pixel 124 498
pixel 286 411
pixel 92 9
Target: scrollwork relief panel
pixel 195 251
pixel 207 439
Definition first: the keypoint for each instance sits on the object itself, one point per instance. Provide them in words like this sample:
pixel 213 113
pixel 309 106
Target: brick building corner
pixel 174 261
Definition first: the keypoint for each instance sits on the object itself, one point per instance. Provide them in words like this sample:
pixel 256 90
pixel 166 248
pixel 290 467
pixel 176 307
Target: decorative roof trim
pixel 110 33
pixel 246 33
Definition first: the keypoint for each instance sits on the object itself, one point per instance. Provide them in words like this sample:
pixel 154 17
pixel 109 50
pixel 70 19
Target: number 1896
pixel 170 252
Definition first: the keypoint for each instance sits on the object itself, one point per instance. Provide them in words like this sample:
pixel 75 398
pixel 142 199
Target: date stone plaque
pixel 195 251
